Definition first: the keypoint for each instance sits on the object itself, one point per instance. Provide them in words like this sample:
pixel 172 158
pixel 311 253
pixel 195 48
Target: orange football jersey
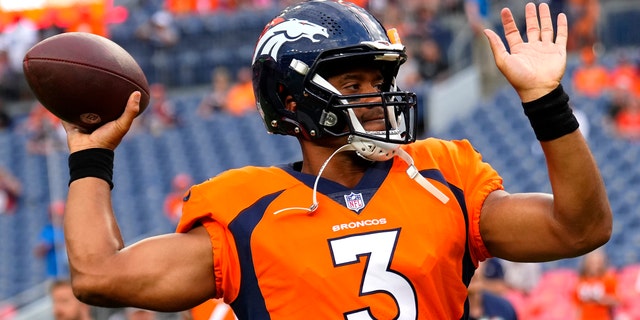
pixel 386 249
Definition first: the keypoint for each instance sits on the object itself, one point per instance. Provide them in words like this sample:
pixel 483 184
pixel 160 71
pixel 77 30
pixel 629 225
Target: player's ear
pixel 290 104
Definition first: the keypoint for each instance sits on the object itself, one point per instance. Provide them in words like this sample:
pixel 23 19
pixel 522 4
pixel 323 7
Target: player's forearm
pixel 580 199
pixel 580 207
pixel 92 236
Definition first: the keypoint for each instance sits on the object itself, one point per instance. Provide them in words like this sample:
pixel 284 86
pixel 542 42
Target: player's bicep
pixel 521 227
pixel 169 272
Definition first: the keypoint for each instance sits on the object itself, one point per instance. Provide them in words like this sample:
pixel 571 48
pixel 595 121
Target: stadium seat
pixel 628 278
pixel 552 298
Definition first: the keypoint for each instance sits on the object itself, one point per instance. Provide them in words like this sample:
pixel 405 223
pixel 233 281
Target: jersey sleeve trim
pixel 216 232
pixel 478 250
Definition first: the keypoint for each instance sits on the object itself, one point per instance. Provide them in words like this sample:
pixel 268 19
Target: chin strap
pixel 412 172
pixel 314 204
pixel 381 151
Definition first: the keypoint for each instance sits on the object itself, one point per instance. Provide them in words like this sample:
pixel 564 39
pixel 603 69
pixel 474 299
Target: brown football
pixel 83 78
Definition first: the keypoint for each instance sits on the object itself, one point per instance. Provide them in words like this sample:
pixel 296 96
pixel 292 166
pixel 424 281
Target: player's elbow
pixel 590 242
pixel 591 235
pixel 91 289
pixel 83 289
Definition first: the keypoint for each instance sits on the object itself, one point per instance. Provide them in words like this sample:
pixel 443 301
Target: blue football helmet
pixel 292 56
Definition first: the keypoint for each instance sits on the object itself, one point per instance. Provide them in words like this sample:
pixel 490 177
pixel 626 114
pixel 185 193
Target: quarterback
pixel 372 223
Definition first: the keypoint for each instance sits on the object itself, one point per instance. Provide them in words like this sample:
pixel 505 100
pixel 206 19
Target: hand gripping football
pixel 83 78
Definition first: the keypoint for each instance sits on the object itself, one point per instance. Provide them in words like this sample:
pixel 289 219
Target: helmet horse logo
pixel 284 31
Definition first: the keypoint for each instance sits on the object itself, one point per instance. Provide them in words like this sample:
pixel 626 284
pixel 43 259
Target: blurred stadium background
pixel 146 163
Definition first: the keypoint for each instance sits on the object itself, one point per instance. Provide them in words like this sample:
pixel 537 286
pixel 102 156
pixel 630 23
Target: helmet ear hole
pixel 287 99
pixel 289 103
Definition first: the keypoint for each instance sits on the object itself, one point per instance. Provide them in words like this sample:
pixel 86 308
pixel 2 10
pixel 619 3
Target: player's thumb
pixel 498 48
pixel 133 105
pixel 130 112
pixel 111 134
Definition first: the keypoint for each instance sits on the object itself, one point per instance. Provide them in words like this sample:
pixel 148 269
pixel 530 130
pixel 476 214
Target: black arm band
pixel 95 162
pixel 550 115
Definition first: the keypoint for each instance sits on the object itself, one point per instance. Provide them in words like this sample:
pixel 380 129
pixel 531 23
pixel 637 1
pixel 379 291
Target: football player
pixel 371 223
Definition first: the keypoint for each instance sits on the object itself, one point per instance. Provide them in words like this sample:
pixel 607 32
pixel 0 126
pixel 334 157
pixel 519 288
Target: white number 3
pixel 377 277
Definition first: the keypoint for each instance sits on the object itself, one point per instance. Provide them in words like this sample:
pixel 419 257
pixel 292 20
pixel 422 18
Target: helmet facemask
pixel 338 117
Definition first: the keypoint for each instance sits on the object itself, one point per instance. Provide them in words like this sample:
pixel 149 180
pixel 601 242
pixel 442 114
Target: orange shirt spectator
pixel 591 78
pixel 625 76
pixel 180 7
pixel 596 288
pixel 173 201
pixel 624 88
pixel 240 98
pixel 583 17
pixel 185 7
pixel 627 119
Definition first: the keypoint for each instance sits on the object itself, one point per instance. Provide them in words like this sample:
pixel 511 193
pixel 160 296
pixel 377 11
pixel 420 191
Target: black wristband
pixel 95 162
pixel 550 115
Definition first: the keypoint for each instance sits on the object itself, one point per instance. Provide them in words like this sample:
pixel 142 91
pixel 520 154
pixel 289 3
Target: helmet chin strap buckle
pixel 381 151
pixel 373 150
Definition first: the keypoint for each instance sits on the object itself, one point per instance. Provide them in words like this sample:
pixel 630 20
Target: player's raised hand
pixel 535 67
pixel 107 136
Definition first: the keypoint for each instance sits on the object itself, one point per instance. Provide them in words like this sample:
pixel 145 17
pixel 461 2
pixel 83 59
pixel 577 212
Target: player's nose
pixel 373 97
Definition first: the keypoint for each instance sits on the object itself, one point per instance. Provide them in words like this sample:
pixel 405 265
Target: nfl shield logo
pixel 354 201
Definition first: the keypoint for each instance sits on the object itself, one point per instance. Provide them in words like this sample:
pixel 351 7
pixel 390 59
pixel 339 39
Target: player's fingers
pixel 563 31
pixel 67 126
pixel 531 19
pixel 546 26
pixel 510 28
pixel 75 134
pixel 72 129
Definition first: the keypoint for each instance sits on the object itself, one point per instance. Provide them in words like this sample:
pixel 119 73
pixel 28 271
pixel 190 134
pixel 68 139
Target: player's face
pixel 360 81
pixel 66 306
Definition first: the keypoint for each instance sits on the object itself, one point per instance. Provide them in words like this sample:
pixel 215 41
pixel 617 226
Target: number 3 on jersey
pixel 378 278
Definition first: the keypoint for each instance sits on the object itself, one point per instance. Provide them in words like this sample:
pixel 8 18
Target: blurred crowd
pixel 441 36
pixel 617 82
pixel 595 290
